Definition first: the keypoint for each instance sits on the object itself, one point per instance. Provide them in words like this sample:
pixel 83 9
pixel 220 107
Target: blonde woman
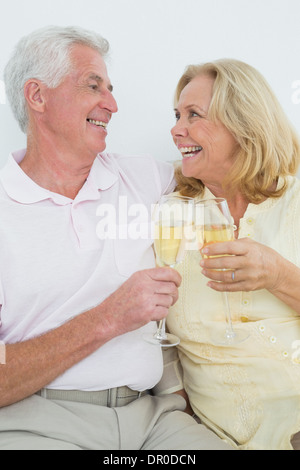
pixel 237 143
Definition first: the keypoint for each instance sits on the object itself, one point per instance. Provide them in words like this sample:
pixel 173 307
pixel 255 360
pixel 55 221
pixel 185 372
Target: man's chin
pixel 98 149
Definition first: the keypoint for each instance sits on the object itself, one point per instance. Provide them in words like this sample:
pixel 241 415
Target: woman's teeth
pixel 98 123
pixel 190 151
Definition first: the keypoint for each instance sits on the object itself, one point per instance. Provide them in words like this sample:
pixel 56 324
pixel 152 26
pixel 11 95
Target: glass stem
pixel 229 330
pixel 161 330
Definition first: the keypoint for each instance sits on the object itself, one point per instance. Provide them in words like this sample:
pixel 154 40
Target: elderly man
pixel 75 304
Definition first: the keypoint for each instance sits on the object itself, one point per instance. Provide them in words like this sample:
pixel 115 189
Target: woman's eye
pixel 177 116
pixel 194 114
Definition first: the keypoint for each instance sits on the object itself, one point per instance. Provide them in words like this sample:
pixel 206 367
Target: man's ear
pixel 33 92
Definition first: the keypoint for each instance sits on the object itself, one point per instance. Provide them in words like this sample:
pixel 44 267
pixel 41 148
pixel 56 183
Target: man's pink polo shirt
pixel 60 257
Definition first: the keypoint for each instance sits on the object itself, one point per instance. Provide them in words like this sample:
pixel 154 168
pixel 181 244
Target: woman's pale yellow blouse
pixel 248 393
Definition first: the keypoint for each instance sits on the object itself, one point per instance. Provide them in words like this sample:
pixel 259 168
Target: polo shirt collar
pixel 23 189
pixel 101 175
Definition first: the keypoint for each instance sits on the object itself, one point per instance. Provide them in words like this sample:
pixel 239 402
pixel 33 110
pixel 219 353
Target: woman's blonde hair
pixel 268 145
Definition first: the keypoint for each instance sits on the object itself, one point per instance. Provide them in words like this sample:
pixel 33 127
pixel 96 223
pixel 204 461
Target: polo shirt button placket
pixel 77 223
pixel 82 229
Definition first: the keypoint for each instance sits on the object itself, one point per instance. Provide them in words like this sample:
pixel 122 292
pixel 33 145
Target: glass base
pixel 230 337
pixel 166 341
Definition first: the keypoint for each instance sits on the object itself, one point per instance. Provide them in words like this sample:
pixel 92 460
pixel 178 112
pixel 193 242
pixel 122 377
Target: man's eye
pixel 94 87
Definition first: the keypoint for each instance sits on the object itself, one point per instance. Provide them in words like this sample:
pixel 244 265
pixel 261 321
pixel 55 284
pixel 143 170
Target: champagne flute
pixel 214 224
pixel 173 233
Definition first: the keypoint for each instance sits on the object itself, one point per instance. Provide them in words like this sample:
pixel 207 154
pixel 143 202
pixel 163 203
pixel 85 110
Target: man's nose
pixel 108 102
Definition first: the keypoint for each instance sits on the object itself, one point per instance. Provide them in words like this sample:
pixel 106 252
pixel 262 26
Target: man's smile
pixel 98 123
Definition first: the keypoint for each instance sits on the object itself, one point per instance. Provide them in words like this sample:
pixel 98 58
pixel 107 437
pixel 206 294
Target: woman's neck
pixel 237 203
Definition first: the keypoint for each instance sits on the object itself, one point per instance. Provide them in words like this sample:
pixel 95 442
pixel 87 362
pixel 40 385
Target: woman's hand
pixel 253 266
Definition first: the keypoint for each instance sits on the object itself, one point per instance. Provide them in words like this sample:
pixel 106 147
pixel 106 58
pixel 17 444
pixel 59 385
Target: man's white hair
pixel 45 55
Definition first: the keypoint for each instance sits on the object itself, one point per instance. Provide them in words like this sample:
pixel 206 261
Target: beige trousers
pixel 149 423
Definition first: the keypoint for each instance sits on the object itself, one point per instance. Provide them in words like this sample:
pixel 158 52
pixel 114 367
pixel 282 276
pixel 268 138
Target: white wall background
pixel 151 43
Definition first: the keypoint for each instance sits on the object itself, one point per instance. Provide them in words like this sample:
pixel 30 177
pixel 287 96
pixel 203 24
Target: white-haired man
pixel 74 305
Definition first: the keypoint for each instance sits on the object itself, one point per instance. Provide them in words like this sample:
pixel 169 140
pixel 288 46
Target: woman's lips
pixel 188 152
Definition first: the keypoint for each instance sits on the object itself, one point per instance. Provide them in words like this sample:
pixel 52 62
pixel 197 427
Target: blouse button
pixel 273 339
pixel 250 221
pixel 244 319
pixel 262 328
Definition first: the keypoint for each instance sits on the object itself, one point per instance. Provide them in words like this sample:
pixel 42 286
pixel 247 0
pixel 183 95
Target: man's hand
pixel 30 365
pixel 146 296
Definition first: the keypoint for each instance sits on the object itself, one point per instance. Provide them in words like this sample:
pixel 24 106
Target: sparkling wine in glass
pixel 173 235
pixel 214 224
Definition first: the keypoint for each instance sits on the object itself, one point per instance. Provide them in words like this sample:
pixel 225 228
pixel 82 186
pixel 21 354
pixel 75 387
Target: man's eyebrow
pixel 96 77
